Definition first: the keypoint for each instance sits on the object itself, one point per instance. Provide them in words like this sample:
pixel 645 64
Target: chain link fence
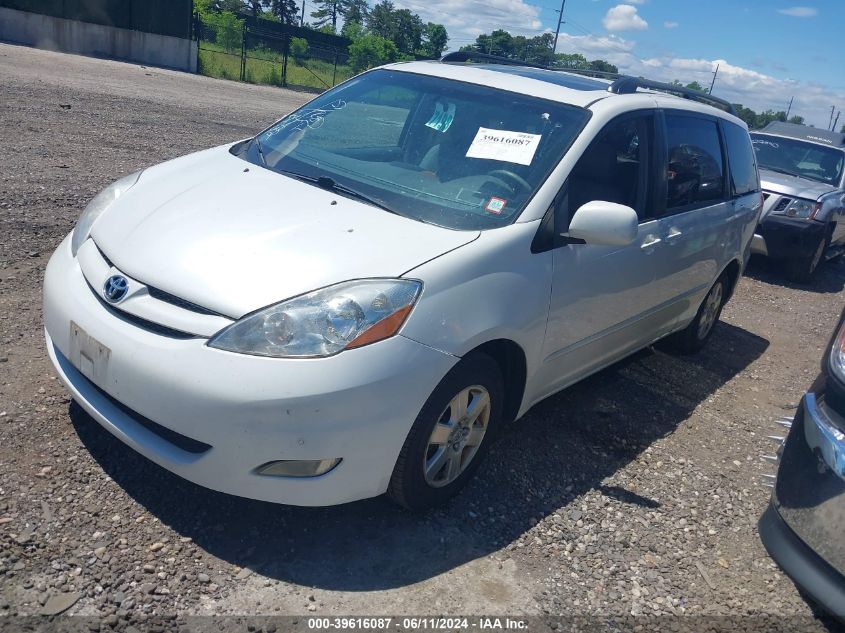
pixel 273 54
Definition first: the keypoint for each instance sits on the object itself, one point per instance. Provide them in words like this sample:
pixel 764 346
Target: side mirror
pixel 605 223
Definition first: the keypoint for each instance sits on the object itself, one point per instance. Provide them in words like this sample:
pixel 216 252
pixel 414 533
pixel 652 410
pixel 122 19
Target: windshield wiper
pixel 260 151
pixel 330 184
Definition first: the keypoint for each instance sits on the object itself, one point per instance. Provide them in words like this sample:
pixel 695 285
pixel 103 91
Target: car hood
pixel 235 237
pixel 794 186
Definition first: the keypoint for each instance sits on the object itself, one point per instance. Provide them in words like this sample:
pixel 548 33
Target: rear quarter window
pixel 743 167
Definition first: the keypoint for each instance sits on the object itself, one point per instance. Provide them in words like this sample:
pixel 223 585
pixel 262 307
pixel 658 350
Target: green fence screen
pixel 165 17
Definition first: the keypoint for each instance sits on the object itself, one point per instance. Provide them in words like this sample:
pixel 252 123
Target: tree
pixel 356 11
pixel 603 66
pixel 842 130
pixel 381 20
pixel 435 39
pixel 408 31
pixel 574 61
pixel 352 30
pixel 286 10
pixel 694 85
pixel 798 120
pixel 299 49
pixel 328 12
pixel 371 50
pixel 499 42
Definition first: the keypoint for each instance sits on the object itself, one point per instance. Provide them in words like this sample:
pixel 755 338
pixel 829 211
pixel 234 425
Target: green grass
pixel 264 66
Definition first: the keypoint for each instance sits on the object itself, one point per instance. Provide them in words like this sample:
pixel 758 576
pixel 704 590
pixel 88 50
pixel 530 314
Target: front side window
pixel 799 158
pixel 695 172
pixel 445 152
pixel 615 167
pixel 741 158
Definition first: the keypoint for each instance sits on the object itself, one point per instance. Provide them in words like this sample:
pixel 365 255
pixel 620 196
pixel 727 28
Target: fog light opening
pixel 298 467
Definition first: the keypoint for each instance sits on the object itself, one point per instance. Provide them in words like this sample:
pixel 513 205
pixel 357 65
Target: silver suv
pixel 802 170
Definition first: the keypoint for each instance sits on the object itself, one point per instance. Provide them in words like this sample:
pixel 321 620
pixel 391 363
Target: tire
pixel 802 270
pixel 692 338
pixel 431 468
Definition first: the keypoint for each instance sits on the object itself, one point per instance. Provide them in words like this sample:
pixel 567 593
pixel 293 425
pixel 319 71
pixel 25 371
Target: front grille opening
pixel 161 295
pixel 144 324
pixel 166 297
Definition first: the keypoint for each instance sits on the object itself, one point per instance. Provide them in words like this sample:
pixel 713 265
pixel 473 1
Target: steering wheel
pixel 511 177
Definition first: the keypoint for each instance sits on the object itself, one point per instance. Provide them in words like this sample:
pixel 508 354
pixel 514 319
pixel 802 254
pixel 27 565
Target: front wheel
pixel 693 337
pixel 450 436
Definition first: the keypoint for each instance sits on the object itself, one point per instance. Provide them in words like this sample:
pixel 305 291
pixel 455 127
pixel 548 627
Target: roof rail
pixel 626 84
pixel 622 84
pixel 468 56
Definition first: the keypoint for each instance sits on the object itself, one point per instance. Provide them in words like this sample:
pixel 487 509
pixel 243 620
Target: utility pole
pixel 835 121
pixel 302 17
pixel 830 123
pixel 789 109
pixel 715 72
pixel 559 22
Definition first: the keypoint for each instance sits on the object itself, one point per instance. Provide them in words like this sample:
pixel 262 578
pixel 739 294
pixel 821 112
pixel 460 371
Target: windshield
pixel 440 151
pixel 799 158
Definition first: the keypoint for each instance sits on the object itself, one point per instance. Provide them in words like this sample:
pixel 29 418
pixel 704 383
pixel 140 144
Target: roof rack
pixel 461 57
pixel 622 84
pixel 626 84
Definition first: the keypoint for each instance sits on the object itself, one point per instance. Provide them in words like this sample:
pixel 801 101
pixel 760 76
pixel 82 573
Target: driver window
pixel 614 167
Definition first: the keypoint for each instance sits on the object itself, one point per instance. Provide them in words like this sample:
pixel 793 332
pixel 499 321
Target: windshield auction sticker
pixel 513 147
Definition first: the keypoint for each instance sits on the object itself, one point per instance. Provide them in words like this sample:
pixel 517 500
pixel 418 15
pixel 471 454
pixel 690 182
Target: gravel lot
pixel 635 492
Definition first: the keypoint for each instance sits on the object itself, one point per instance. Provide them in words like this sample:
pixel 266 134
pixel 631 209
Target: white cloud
pixel 624 17
pixel 669 24
pixel 467 19
pixel 751 88
pixel 800 12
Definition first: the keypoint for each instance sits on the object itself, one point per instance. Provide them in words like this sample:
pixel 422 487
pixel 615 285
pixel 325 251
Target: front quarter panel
pixel 832 212
pixel 493 288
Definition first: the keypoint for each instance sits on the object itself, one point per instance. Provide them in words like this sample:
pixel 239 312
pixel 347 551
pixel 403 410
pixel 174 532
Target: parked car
pixel 353 301
pixel 802 527
pixel 803 174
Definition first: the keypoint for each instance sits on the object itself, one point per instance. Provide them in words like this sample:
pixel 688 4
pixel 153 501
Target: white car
pixel 354 301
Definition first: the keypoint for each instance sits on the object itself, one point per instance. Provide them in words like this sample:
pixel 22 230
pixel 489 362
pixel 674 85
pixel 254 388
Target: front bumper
pixel 781 237
pixel 239 411
pixel 803 528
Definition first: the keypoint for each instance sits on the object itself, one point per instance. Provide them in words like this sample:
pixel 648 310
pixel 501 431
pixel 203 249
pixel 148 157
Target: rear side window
pixel 695 171
pixel 741 160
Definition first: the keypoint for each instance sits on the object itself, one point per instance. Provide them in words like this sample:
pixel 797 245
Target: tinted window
pixel 695 172
pixel 740 159
pixel 614 166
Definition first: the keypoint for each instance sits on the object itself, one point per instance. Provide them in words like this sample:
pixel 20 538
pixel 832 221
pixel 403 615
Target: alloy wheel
pixel 457 436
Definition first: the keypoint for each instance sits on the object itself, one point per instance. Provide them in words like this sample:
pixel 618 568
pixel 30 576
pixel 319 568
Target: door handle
pixel 673 234
pixel 650 241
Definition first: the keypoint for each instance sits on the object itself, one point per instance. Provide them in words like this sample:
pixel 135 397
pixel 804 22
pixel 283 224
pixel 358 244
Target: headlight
pixel 95 208
pixel 324 322
pixel 804 209
pixel 837 354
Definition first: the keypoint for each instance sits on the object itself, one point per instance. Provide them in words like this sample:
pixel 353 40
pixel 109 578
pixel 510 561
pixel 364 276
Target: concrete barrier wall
pixel 71 36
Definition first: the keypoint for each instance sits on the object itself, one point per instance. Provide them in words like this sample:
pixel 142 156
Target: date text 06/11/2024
pixel 429 623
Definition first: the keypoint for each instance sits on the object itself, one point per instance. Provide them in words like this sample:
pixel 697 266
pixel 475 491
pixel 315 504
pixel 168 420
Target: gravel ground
pixel 633 493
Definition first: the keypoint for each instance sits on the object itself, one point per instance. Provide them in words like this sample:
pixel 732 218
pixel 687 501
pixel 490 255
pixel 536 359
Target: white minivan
pixel 356 299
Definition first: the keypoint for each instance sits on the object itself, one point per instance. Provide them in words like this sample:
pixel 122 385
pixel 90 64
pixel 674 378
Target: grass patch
pixel 265 66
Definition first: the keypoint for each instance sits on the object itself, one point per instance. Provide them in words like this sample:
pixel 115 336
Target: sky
pixel 767 50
